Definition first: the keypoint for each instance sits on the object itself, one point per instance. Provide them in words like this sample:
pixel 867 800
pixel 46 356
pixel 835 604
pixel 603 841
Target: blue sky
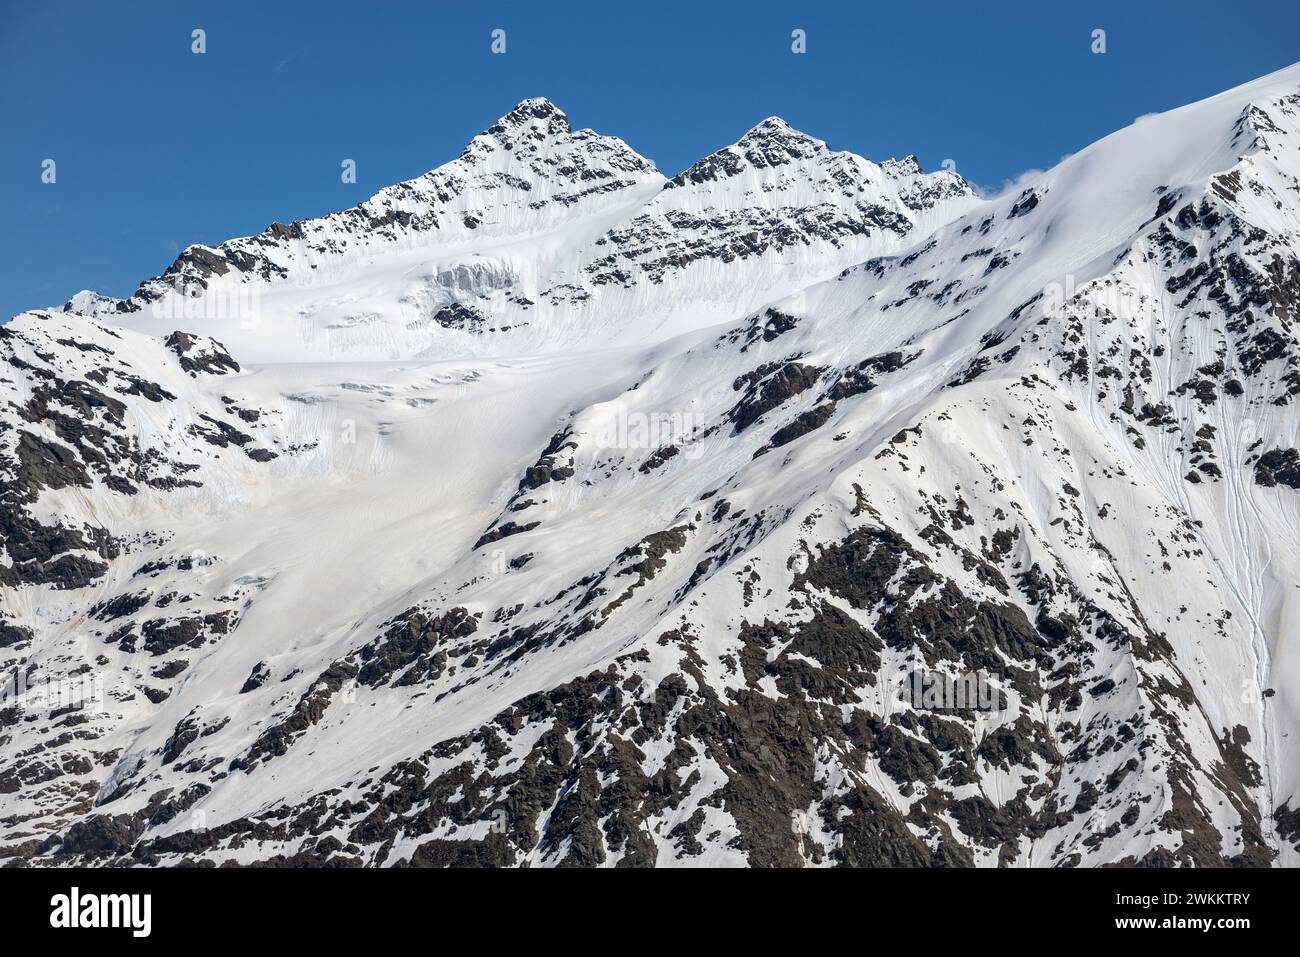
pixel 157 147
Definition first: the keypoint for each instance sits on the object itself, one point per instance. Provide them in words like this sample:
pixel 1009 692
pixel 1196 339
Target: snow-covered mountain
pixel 538 238
pixel 795 510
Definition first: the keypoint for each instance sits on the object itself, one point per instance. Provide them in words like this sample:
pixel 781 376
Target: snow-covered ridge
pixel 667 601
pixel 575 233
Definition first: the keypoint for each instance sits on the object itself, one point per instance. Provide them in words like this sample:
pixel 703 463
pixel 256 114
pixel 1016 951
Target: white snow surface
pixel 409 361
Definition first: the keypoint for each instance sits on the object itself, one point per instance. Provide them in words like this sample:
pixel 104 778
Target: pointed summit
pixel 770 144
pixel 774 142
pixel 537 109
pixel 87 302
pixel 909 165
pixel 534 118
pixel 773 128
pixel 536 126
pixel 530 124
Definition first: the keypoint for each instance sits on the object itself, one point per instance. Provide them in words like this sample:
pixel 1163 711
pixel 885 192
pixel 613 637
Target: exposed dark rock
pixel 1279 466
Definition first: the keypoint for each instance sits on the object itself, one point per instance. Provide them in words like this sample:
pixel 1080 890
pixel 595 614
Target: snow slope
pixel 618 527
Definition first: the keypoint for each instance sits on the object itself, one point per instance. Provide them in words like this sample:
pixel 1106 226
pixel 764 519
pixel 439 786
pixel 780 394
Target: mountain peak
pixel 532 122
pixel 771 125
pixel 776 133
pixel 770 144
pixel 536 112
pixel 88 302
pixel 909 165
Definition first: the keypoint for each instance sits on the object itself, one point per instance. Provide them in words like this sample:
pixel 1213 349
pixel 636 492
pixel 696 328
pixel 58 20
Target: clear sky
pixel 157 147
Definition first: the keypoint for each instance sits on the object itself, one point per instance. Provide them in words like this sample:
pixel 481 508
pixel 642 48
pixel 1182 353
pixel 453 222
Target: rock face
pixel 797 510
